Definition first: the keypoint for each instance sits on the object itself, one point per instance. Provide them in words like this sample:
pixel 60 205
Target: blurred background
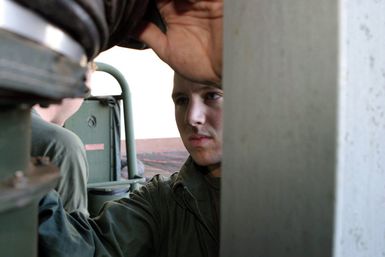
pixel 150 82
pixel 159 148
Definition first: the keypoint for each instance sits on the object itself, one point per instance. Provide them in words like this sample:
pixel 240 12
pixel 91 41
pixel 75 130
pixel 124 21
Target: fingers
pixel 200 8
pixel 212 9
pixel 152 36
pixel 195 1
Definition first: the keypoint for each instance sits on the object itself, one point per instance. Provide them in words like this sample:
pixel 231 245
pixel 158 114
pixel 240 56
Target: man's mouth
pixel 199 139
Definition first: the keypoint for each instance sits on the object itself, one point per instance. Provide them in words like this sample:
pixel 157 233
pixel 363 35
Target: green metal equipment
pixel 97 123
pixel 44 48
pixel 32 71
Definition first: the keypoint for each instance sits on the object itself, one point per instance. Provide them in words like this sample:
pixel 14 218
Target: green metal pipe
pixel 127 107
pixel 117 183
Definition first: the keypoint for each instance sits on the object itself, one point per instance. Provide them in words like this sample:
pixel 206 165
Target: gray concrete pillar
pixel 304 154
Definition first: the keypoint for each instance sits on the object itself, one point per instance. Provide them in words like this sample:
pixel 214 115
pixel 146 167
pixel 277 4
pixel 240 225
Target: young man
pixel 168 217
pixel 64 148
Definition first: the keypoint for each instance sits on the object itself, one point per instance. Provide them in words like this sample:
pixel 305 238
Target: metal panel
pixel 18 233
pixel 304 166
pixel 93 124
pixel 14 140
pixel 281 144
pixel 22 183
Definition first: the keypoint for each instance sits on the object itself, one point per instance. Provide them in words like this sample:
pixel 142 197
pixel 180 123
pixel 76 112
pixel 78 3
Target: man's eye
pixel 181 100
pixel 213 96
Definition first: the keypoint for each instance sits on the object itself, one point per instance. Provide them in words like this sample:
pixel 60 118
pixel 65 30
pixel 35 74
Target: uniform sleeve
pixel 127 227
pixel 70 156
pixel 66 151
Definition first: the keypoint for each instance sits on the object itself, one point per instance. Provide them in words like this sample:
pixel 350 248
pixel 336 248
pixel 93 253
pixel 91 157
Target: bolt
pixel 44 160
pixel 91 121
pixel 41 160
pixel 19 174
pixel 19 180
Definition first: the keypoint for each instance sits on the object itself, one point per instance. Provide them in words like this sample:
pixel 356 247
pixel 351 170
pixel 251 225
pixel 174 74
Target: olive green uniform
pixel 167 217
pixel 66 151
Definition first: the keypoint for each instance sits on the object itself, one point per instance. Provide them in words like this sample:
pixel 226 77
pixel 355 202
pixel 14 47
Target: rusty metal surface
pixel 26 68
pixel 23 187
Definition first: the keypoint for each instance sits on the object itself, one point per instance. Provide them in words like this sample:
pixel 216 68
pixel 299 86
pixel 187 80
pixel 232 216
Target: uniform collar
pixel 191 177
pixel 193 185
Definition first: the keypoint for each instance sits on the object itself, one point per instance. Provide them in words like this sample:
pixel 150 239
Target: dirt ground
pixel 158 156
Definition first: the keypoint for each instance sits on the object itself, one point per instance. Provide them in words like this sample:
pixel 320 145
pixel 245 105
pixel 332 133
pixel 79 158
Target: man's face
pixel 198 114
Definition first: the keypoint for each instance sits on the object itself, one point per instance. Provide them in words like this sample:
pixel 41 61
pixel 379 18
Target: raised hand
pixel 192 45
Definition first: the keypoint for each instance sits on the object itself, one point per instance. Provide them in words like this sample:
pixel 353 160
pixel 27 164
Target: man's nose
pixel 195 114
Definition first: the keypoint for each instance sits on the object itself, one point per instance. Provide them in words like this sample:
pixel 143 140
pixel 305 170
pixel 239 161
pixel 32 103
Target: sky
pixel 150 83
